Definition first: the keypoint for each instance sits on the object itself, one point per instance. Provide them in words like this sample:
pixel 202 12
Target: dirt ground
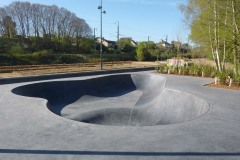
pixel 28 70
pixel 233 87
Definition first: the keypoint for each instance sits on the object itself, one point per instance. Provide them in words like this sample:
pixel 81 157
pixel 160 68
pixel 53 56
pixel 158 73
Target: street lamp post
pixel 101 48
pixel 95 29
pixel 118 36
pixel 148 44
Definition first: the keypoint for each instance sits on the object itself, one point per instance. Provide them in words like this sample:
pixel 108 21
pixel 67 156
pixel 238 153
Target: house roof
pixel 108 41
pixel 164 43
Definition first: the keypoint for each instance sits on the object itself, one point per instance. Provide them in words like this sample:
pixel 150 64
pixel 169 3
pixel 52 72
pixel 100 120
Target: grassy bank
pixel 44 57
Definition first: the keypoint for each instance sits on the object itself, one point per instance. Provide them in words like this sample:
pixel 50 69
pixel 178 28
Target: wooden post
pixel 216 80
pixel 230 82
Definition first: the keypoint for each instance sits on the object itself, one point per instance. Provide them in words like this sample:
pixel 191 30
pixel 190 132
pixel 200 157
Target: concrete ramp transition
pixel 118 100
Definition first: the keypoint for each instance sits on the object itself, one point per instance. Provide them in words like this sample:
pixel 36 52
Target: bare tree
pixel 44 21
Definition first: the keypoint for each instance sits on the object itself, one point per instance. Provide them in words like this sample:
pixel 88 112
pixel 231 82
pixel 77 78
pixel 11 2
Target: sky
pixel 139 19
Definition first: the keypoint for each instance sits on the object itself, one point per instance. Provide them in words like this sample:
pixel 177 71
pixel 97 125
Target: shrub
pixel 209 71
pixel 160 69
pixel 111 57
pixel 198 70
pixel 68 59
pixel 237 79
pixel 185 70
pixel 16 49
pixel 142 52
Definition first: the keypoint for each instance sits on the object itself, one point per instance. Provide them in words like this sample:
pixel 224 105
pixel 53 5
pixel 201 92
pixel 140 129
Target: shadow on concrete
pixel 62 93
pixel 117 153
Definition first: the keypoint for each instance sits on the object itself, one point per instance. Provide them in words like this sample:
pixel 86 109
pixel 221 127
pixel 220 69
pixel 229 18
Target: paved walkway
pixel 28 130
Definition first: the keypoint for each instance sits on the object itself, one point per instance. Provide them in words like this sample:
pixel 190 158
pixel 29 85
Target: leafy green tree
pixel 159 51
pixel 151 45
pixel 87 45
pixel 142 52
pixel 215 26
pixel 126 46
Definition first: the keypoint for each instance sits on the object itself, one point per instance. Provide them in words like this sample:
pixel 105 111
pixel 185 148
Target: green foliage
pixel 155 53
pixel 214 29
pixel 237 79
pixel 209 71
pixel 112 57
pixel 3 45
pixel 197 52
pixel 162 69
pixel 222 76
pixel 68 59
pixel 111 51
pixel 41 57
pixel 197 70
pixel 16 49
pixel 126 46
pixel 142 52
pixel 185 70
pixel 165 56
pixel 86 45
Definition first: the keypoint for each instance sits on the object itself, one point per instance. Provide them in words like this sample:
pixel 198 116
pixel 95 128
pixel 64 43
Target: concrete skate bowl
pixel 118 100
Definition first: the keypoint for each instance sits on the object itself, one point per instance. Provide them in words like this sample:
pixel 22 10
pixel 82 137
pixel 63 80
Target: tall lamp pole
pixel 118 35
pixel 101 48
pixel 148 44
pixel 95 39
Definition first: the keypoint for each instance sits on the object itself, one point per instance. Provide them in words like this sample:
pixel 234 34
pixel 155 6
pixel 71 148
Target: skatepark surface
pixel 140 115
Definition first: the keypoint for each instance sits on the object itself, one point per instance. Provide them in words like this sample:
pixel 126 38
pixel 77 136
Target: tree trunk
pixel 224 43
pixel 235 38
pixel 216 37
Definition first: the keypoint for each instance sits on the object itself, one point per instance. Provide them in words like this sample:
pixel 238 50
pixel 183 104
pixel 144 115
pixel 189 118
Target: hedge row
pixel 112 57
pixel 32 59
pixel 201 71
pixel 44 57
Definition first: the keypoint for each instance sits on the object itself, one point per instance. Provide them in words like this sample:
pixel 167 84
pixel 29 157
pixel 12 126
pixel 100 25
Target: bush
pixel 195 70
pixel 142 52
pixel 6 60
pixel 16 49
pixel 42 57
pixel 111 57
pixel 237 79
pixel 68 59
pixel 209 71
pixel 160 69
pixel 185 70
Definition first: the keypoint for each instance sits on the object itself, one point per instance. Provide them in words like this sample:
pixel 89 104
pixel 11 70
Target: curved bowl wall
pixel 120 100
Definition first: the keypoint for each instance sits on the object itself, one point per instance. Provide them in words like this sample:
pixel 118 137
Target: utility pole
pixel 118 35
pixel 95 29
pixel 148 43
pixel 101 12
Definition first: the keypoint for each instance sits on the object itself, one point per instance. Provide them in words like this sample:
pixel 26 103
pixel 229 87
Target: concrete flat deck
pixel 29 130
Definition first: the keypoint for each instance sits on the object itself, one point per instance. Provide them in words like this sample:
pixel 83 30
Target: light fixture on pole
pixel 101 48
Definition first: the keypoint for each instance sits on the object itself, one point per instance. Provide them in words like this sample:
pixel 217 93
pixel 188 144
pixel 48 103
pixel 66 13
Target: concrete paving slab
pixel 29 130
